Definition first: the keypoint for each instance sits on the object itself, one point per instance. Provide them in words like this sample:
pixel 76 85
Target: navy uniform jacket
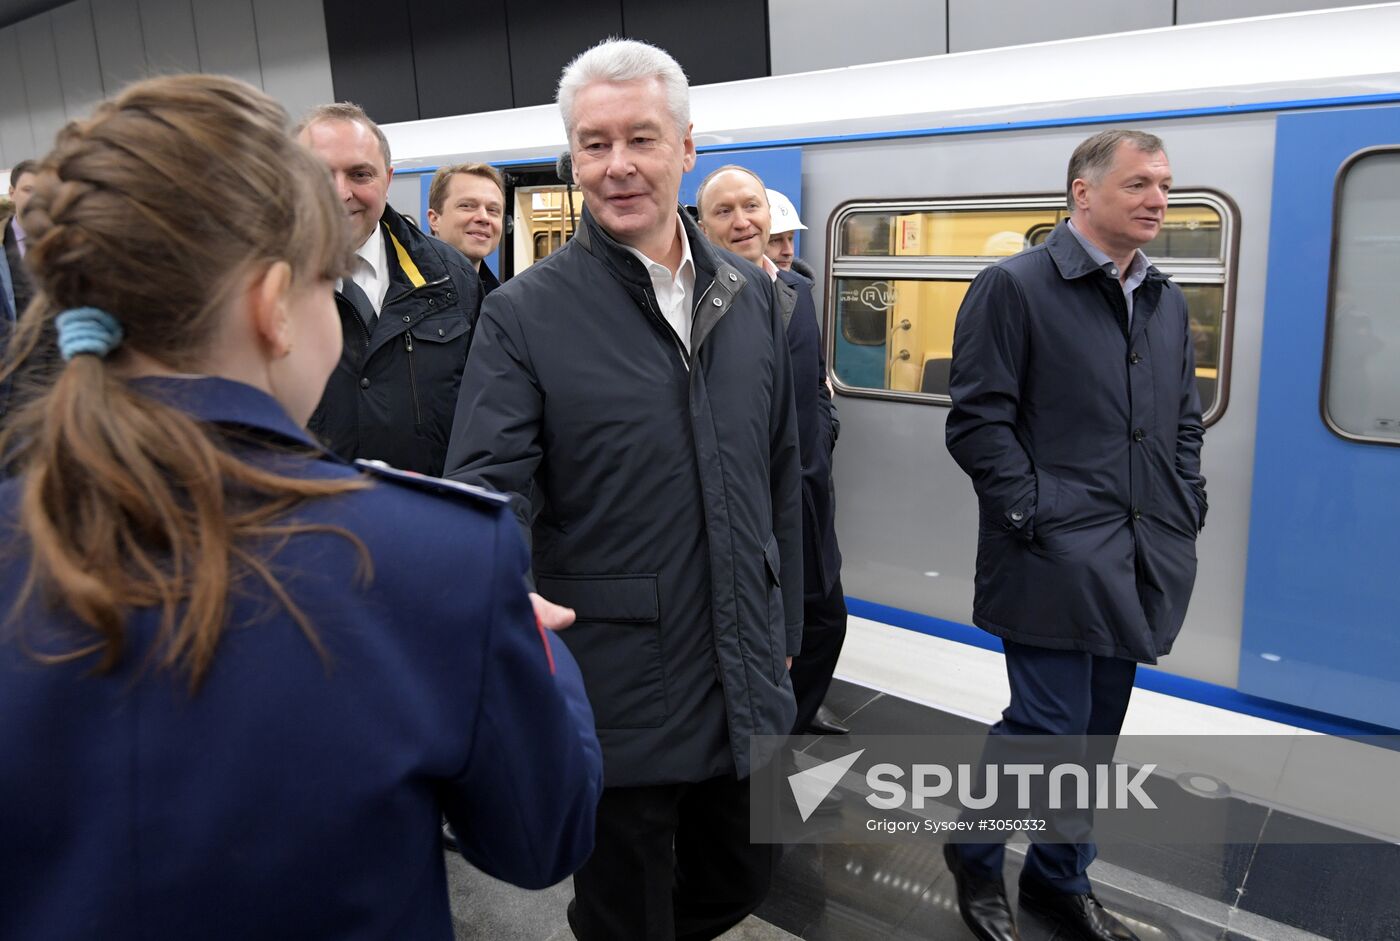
pixel 1082 436
pixel 293 797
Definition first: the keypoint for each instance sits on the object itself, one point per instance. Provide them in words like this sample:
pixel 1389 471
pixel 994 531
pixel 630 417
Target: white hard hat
pixel 784 216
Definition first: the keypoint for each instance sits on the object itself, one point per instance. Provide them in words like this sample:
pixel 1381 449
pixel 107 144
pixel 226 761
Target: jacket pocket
pixel 617 642
pixel 1181 496
pixel 436 350
pixel 440 329
pixel 1046 494
pixel 777 624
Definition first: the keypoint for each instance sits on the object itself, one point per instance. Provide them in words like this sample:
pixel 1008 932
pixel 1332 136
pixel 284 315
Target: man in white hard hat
pixel 786 225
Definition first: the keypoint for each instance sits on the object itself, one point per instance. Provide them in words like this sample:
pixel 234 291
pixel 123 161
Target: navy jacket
pixel 816 435
pixel 394 391
pixel 292 797
pixel 1083 440
pixel 662 491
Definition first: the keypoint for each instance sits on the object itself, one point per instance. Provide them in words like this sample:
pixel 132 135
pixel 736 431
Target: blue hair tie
pixel 87 330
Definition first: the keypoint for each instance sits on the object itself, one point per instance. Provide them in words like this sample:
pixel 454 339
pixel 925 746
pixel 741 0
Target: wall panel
pixel 986 24
pixel 546 34
pixel 805 35
pixel 16 138
pixel 296 66
pixel 167 28
pixel 42 90
pixel 727 43
pixel 1199 11
pixel 226 39
pixel 75 41
pixel 121 50
pixel 461 56
pixel 371 52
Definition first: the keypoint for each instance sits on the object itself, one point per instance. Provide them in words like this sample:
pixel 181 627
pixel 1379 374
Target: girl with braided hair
pixel 240 679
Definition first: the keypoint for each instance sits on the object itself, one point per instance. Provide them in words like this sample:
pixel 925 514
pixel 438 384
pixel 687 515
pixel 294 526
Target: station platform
pixel 891 681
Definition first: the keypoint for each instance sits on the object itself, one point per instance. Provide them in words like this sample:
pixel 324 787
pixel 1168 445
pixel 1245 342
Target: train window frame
pixel 1222 270
pixel 1334 251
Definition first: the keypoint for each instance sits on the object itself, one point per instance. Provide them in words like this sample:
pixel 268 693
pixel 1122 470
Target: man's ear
pixel 689 145
pixel 268 301
pixel 1079 188
pixel 433 218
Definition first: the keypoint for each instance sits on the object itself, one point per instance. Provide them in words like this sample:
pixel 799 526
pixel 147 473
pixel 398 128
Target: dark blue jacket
pixel 662 490
pixel 291 797
pixel 393 393
pixel 1083 440
pixel 816 436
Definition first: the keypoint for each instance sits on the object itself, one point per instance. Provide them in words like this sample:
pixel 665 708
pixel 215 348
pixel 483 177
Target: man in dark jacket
pixel 734 211
pixel 15 289
pixel 632 394
pixel 407 311
pixel 17 286
pixel 1075 413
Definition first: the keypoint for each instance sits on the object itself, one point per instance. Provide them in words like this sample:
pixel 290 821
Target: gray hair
pixel 625 60
pixel 344 111
pixel 705 183
pixel 1093 157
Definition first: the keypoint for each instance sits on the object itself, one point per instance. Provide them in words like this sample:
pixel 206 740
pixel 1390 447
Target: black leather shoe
pixel 449 839
pixel 1077 917
pixel 826 723
pixel 981 901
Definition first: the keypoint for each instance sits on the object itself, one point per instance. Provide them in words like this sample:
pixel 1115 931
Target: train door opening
pixel 542 214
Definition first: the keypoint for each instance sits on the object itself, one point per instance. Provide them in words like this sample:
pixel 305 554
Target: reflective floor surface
pixel 1265 891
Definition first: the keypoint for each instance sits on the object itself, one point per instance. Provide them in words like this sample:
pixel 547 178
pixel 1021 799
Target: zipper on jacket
pixel 655 311
pixel 412 376
pixel 364 327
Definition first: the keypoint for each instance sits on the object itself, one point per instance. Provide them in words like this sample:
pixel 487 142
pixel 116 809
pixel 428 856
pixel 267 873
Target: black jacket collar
pixel 420 248
pixel 717 281
pixel 594 239
pixel 1074 262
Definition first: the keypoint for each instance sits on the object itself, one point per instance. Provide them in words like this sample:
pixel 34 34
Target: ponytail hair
pixel 155 209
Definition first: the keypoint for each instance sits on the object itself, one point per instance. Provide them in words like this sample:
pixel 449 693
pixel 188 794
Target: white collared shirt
pixel 769 267
pixel 372 268
pixel 675 294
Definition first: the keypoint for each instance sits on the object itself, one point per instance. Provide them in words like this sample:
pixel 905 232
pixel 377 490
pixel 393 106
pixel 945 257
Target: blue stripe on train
pixel 1150 678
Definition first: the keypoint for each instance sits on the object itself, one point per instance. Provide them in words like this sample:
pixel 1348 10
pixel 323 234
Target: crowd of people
pixel 318 533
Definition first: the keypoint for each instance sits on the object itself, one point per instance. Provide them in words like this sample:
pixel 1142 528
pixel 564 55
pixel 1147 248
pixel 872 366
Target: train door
pixel 1322 609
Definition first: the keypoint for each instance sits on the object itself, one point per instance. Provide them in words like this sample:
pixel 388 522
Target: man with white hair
pixel 632 394
pixel 737 212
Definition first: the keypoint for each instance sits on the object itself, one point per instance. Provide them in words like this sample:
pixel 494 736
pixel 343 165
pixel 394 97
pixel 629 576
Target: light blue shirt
pixel 1137 268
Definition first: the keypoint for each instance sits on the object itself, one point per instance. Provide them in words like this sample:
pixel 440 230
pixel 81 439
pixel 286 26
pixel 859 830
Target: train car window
pixel 1361 381
pixel 1188 232
pixel 900 270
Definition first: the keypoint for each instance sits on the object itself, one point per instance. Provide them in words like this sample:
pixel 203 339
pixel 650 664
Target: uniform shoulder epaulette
pixel 431 484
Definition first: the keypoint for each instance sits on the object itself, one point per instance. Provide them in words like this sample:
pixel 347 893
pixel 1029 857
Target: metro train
pixel 1284 232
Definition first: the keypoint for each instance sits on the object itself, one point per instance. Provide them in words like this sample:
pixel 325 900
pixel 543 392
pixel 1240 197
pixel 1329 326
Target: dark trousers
pixel 823 633
pixel 671 862
pixel 1056 692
